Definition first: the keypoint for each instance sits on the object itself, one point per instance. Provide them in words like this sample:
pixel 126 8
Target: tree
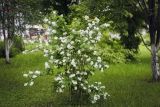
pixel 154 31
pixel 14 15
pixel 62 6
pixel 128 17
pixel 124 16
pixel 7 17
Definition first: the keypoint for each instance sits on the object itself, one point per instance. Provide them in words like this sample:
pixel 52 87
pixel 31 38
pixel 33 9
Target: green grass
pixel 128 84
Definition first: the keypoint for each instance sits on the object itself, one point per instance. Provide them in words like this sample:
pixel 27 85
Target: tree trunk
pixel 154 63
pixel 153 30
pixel 7 50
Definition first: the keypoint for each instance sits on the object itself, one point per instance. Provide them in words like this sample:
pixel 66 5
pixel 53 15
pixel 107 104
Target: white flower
pixel 72 75
pixel 99 83
pixel 74 31
pixel 54 24
pixel 25 84
pixel 98 38
pixel 73 62
pixel 74 82
pixel 96 97
pixel 107 66
pixel 54 31
pixel 93 41
pixel 55 38
pixel 45 20
pixel 96 65
pixel 95 52
pixel 91 33
pixel 96 19
pixel 102 69
pixel 63 39
pixel 64 60
pixel 91 63
pixel 75 88
pixel 31 83
pixel 51 58
pixel 84 88
pixel 93 101
pixel 30 72
pixel 68 72
pixel 85 73
pixel 60 90
pixel 77 72
pixel 105 95
pixel 88 59
pixel 93 22
pixel 65 33
pixel 115 36
pixel 57 78
pixel 37 72
pixel 99 65
pixel 69 46
pixel 99 34
pixel 56 61
pixel 62 86
pixel 46 51
pixel 47 65
pixel 90 48
pixel 90 25
pixel 34 76
pixel 25 75
pixel 79 78
pixel 81 85
pixel 79 52
pixel 68 54
pixel 99 59
pixel 86 17
pixel 103 87
pixel 72 42
pixel 106 25
pixel 62 52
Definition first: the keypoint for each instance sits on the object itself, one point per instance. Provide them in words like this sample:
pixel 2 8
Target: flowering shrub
pixel 75 51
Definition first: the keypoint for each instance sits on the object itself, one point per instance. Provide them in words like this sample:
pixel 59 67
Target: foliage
pixel 125 17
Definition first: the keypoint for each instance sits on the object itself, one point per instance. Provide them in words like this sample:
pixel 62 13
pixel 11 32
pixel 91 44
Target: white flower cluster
pixel 75 50
pixel 60 83
pixel 115 36
pixel 98 92
pixel 31 75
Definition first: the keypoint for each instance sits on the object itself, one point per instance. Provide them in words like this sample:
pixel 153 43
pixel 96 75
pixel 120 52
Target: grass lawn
pixel 128 84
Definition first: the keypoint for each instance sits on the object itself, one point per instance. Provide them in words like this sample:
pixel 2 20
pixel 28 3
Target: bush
pixel 113 52
pixel 18 43
pixel 16 48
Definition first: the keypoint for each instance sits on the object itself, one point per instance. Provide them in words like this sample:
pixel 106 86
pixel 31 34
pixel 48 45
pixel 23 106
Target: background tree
pixel 14 15
pixel 127 18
